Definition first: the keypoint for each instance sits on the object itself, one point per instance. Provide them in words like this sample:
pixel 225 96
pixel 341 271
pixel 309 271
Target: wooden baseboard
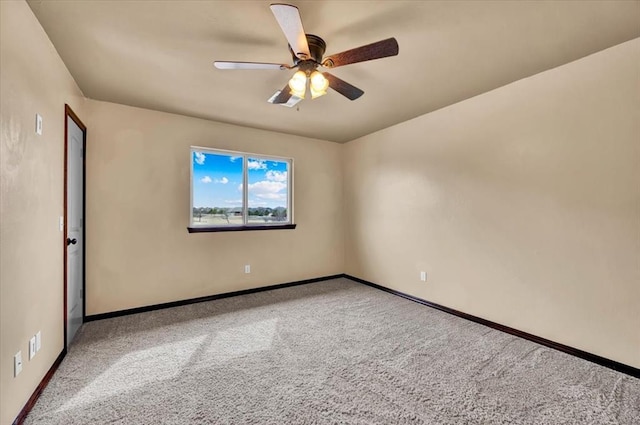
pixel 205 298
pixel 602 361
pixel 41 386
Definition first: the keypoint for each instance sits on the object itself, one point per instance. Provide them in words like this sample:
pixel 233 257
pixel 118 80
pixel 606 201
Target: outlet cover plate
pixel 17 363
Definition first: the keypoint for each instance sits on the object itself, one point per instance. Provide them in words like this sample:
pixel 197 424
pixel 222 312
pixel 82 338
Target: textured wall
pixel 33 80
pixel 138 249
pixel 522 205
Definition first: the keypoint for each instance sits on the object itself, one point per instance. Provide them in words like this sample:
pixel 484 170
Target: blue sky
pixel 217 181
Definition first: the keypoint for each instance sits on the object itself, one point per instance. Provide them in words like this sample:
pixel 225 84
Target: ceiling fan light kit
pixel 307 51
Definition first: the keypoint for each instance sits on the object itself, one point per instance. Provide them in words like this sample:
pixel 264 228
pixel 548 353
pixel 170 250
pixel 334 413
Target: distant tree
pixel 280 213
pixel 225 214
pixel 259 211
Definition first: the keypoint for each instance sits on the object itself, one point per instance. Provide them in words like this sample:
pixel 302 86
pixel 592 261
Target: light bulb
pixel 298 84
pixel 318 84
pixel 315 93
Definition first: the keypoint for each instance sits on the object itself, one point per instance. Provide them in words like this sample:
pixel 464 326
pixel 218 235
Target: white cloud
pixel 207 179
pixel 234 158
pixel 269 189
pixel 256 164
pixel 266 186
pixel 273 196
pixel 233 201
pixel 199 158
pixel 277 176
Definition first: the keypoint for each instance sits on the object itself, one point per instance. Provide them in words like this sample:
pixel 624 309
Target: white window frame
pixel 245 192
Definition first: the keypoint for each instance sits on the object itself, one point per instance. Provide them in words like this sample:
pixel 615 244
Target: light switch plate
pixel 38 341
pixel 61 223
pixel 38 124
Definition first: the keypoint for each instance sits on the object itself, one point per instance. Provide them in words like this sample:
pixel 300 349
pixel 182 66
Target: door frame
pixel 68 113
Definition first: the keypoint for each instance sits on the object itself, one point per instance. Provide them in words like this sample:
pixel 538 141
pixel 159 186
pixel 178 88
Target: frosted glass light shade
pixel 298 84
pixel 318 84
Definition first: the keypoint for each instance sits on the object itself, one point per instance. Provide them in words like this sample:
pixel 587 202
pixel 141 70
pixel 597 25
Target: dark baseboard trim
pixel 41 386
pixel 602 361
pixel 137 310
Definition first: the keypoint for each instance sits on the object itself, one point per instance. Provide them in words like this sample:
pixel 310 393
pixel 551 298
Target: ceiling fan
pixel 307 51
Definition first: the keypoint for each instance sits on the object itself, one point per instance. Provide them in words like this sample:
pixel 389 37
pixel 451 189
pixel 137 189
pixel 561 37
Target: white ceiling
pixel 159 54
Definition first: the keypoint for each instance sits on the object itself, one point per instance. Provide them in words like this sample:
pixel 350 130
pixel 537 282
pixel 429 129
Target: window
pixel 239 191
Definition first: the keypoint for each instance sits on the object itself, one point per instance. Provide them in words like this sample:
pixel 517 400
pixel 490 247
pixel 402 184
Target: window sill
pixel 239 228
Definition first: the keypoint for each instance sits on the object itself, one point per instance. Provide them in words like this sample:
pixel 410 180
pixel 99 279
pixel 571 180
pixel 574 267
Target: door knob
pixel 71 241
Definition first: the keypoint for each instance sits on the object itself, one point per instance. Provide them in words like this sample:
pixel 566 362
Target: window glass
pixel 217 189
pixel 268 191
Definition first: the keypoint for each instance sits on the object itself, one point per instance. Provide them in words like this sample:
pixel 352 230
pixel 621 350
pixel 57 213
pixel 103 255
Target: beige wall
pixel 521 204
pixel 33 80
pixel 138 249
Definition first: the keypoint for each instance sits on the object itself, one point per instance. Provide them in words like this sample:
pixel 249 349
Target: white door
pixel 75 222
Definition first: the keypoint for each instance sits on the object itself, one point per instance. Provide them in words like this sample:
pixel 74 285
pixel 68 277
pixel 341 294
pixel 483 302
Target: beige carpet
pixel 323 353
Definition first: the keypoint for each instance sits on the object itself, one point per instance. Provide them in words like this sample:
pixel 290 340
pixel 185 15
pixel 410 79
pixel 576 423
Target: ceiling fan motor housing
pixel 317 47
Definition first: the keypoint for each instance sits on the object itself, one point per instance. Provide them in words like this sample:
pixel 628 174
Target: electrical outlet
pixel 17 363
pixel 32 347
pixel 423 276
pixel 247 268
pixel 38 341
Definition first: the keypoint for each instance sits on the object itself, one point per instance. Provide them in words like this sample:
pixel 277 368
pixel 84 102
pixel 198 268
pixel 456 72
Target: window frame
pixel 289 224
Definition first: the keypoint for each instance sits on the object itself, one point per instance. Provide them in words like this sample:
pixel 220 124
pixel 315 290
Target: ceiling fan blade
pixel 378 50
pixel 288 18
pixel 249 65
pixel 284 96
pixel 342 87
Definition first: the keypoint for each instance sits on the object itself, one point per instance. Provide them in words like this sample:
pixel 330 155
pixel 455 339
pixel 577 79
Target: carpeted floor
pixel 323 353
